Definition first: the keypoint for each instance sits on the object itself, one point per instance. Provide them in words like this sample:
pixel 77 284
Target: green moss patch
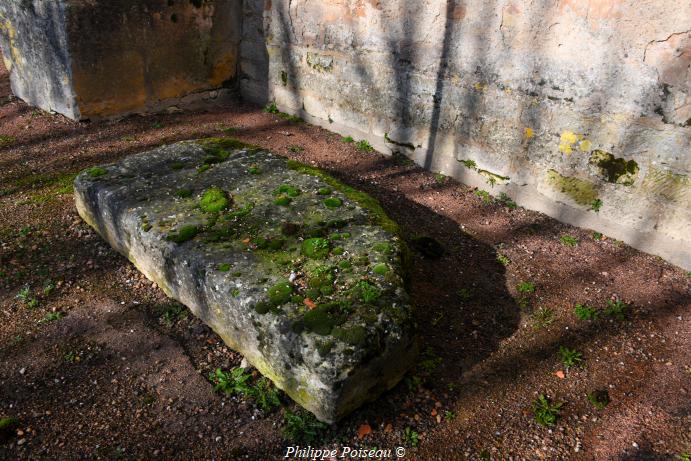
pixel 316 248
pixel 380 269
pixel 377 213
pixel 287 189
pixel 214 200
pixel 322 319
pixel 333 202
pixel 355 336
pixel 96 171
pixel 280 293
pixel 580 191
pixel 615 170
pixel 183 234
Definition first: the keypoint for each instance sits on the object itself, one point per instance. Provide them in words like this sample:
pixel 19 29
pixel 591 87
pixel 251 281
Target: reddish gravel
pixel 120 372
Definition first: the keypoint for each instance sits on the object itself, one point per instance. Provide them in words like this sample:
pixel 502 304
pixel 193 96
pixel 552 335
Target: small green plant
pixel 364 146
pixel 503 259
pixel 596 205
pixel 157 125
pixel 484 195
pixel 265 395
pixel 48 287
pixel 546 412
pixel 234 382
pixel 465 294
pixel 449 415
pixel 173 314
pixel 597 235
pixel 301 427
pixel 271 108
pixel 367 292
pixel 506 201
pixel 6 140
pixel 71 356
pixel 570 357
pixel 440 178
pixel 51 317
pixel 616 309
pixel 599 398
pixel 469 164
pixel 523 302
pixel 413 383
pixel 584 312
pixel 296 149
pixel 526 287
pixel 411 437
pixel 429 361
pixel 347 139
pixel 543 317
pixel 569 240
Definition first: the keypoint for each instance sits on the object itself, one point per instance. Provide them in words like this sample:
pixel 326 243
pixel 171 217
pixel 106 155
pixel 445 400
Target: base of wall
pixel 527 196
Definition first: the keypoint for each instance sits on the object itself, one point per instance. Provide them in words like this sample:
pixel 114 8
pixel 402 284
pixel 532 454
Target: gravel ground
pixel 96 362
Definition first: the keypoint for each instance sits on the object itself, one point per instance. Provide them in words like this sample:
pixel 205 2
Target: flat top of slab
pixel 281 239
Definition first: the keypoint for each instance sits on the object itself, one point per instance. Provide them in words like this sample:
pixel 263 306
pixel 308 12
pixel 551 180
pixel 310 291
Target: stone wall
pixel 576 108
pixel 90 59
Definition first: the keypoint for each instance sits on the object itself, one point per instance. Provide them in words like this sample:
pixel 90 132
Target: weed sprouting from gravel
pixel 570 357
pixel 584 312
pixel 546 412
pixel 411 437
pixel 543 317
pixel 568 240
pixel 301 426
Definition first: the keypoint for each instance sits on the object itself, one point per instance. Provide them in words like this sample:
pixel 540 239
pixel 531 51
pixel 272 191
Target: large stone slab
pixel 298 272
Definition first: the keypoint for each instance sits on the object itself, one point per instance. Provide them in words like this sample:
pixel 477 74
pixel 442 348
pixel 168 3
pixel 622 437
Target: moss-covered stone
pixel 275 282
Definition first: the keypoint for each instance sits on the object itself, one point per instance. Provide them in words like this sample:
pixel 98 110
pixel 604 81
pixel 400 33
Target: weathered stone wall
pixel 565 105
pixel 100 58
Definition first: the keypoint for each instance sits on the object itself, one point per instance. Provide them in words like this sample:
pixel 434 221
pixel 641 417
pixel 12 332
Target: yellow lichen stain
pixel 570 140
pixel 10 32
pixel 528 133
pixel 479 86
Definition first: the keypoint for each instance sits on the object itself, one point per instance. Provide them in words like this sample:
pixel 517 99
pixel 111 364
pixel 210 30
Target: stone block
pixel 100 58
pixel 301 274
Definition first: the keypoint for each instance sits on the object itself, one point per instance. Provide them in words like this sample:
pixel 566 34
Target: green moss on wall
pixel 580 191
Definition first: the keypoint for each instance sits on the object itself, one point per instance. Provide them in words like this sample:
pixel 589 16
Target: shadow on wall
pixel 598 143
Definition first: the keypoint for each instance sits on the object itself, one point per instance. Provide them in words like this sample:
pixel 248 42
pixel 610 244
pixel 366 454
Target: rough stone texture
pixel 557 104
pixel 301 274
pixel 90 59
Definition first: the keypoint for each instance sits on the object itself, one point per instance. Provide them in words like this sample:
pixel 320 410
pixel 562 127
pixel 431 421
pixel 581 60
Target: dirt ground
pixel 96 362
